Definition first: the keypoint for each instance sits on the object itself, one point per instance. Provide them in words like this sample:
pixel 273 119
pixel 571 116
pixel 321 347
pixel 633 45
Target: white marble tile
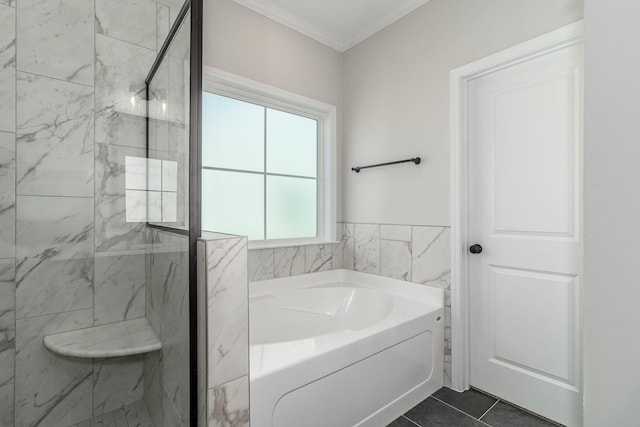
pixel 7 324
pixel 54 227
pixel 261 264
pixel 367 248
pixel 431 256
pixel 338 255
pixel 289 261
pixel 174 246
pixel 155 289
pixel 137 415
pixel 57 39
pixel 447 372
pixel 6 405
pixel 229 404
pixel 54 137
pixel 119 288
pixel 49 286
pixel 174 8
pixel 178 107
pixel 11 3
pixel 53 390
pixel 447 322
pixel 395 232
pixel 121 69
pixel 7 195
pixel 170 414
pixel 153 385
pixel 202 398
pixel 201 308
pixel 318 258
pixel 117 382
pixel 7 68
pixel 395 259
pixel 54 268
pixel 133 21
pixel 348 247
pixel 113 232
pixel 119 128
pixel 228 322
pixel 173 272
pixel 162 24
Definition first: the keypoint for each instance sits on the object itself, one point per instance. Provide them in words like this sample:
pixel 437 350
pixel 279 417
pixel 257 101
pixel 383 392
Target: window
pixel 267 163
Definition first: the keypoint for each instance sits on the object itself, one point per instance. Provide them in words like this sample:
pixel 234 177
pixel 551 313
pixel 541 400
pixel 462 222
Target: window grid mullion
pixel 265 173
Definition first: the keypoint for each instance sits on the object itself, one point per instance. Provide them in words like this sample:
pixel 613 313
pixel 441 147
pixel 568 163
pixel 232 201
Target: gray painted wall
pixel 611 212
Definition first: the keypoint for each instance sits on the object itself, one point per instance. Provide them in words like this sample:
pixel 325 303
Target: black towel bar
pixel 415 160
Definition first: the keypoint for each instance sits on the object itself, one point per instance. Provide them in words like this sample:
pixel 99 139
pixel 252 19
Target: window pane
pixel 233 203
pixel 232 133
pixel 291 207
pixel 292 144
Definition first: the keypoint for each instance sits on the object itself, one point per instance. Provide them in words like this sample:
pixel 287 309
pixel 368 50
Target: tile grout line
pixel 15 213
pixel 459 410
pixel 410 420
pixel 487 411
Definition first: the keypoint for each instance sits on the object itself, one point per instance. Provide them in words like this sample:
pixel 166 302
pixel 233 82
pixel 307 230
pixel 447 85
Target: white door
pixel 525 150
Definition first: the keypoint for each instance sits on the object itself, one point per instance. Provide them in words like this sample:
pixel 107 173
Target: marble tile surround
pixel 224 281
pixel 166 374
pixel 266 264
pixel 119 288
pixel 61 201
pixel 229 404
pixel 7 67
pixel 7 325
pixel 62 387
pixel 137 26
pixel 227 309
pixel 7 195
pixel 54 268
pixel 56 39
pixel 54 137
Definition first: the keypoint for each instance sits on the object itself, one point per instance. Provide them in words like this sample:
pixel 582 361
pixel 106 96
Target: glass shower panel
pixel 167 381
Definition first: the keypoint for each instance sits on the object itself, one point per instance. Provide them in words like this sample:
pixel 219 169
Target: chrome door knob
pixel 475 249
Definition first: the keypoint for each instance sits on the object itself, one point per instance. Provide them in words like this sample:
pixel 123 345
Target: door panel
pixel 533 321
pixel 525 148
pixel 532 179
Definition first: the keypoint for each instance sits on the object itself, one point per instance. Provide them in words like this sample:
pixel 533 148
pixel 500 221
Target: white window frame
pixel 223 83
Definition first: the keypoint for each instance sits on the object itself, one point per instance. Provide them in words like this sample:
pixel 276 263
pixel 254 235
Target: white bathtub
pixel 341 348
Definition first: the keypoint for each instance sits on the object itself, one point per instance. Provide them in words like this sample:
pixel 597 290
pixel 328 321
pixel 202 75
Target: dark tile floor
pixel 471 408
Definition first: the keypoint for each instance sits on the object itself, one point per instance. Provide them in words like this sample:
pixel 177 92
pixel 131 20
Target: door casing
pixel 460 77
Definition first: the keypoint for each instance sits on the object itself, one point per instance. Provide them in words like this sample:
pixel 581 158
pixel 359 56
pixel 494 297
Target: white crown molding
pixel 295 23
pixel 378 25
pixel 271 11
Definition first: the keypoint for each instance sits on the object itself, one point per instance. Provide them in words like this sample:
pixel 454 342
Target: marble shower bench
pixel 113 340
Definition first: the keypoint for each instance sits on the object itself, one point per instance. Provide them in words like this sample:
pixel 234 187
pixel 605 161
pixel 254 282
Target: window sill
pixel 274 244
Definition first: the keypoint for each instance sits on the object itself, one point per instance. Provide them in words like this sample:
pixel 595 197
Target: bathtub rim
pixel 425 293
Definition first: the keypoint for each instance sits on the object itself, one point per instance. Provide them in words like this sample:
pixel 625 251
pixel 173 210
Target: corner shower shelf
pixel 117 339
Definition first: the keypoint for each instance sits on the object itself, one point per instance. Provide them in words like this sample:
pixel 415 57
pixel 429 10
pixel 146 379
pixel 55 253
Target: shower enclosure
pixel 98 182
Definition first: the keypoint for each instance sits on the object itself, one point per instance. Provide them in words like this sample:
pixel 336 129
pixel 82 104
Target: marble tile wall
pixel 68 257
pixel 227 336
pixel 419 254
pixel 166 373
pixel 266 264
